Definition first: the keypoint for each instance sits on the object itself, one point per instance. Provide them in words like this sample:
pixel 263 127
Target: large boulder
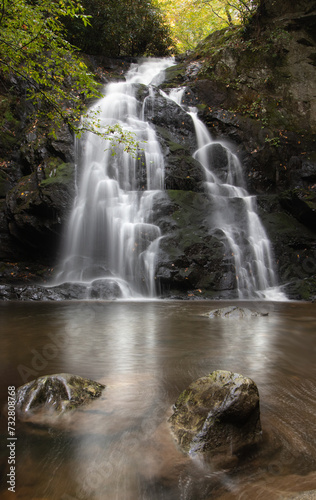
pixel 59 393
pixel 218 416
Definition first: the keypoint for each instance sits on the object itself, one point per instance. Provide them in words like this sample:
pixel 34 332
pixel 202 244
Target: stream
pixel 146 353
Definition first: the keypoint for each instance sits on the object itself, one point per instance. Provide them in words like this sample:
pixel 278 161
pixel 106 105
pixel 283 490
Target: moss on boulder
pixel 218 415
pixel 61 392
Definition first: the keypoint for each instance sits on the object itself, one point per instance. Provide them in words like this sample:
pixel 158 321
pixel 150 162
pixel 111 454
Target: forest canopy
pixel 121 28
pixel 192 20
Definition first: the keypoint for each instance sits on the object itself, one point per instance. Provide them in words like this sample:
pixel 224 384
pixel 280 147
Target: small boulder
pixel 235 312
pixel 218 416
pixel 59 392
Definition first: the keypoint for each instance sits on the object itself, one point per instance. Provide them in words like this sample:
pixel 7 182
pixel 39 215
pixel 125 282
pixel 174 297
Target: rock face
pixel 59 393
pixel 37 207
pixel 192 258
pixel 217 415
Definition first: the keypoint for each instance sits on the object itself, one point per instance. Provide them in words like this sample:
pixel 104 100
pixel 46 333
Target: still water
pixel 146 353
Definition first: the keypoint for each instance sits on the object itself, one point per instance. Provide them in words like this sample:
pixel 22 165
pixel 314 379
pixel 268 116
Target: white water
pixel 235 213
pixel 110 234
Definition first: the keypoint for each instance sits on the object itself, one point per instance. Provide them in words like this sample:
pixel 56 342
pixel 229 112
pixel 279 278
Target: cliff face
pixel 255 88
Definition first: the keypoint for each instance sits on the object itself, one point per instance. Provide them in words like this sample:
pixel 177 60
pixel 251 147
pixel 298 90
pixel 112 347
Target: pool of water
pixel 120 447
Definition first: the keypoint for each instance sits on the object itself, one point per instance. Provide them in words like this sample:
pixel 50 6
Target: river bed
pixel 146 353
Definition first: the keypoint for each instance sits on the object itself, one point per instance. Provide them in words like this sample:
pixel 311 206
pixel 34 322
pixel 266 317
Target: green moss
pixel 58 173
pixel 183 398
pixel 306 288
pixel 9 124
pixel 142 91
pixel 173 146
pixel 212 45
pixel 174 74
pixel 253 76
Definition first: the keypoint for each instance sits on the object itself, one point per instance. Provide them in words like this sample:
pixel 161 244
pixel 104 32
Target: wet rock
pixel 302 289
pixel 182 172
pixel 166 114
pixel 190 255
pixel 218 157
pixel 66 291
pixel 301 204
pixel 37 208
pixel 60 392
pixel 104 289
pixel 101 289
pixel 218 416
pixel 235 312
pixel 293 244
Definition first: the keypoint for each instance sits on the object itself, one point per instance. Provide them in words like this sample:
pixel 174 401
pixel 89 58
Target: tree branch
pixel 220 17
pixel 48 100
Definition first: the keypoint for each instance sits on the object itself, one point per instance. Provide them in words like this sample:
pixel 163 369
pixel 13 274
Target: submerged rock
pixel 60 392
pixel 218 415
pixel 235 312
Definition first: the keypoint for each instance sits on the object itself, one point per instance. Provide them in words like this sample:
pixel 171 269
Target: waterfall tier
pixel 110 235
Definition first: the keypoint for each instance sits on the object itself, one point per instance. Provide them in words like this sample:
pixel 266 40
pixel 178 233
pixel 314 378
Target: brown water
pixel 120 447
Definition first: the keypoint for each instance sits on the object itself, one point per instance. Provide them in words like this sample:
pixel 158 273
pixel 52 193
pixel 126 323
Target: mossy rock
pixel 218 415
pixel 60 393
pixel 303 289
pixel 174 75
pixel 56 172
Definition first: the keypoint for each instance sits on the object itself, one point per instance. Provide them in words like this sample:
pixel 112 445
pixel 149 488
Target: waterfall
pixel 111 235
pixel 235 213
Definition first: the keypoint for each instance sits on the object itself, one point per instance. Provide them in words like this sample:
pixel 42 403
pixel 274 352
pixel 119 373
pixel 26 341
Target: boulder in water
pixel 59 393
pixel 218 416
pixel 235 312
pixel 105 289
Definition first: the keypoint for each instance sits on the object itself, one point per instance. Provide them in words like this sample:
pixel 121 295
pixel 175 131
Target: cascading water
pixel 235 213
pixel 111 235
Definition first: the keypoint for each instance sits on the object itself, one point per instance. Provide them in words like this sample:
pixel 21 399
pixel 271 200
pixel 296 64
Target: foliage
pixel 32 48
pixel 232 11
pixel 121 28
pixel 34 54
pixel 193 20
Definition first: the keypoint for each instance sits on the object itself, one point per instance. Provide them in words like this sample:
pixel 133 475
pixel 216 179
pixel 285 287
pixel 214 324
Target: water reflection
pixel 147 353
